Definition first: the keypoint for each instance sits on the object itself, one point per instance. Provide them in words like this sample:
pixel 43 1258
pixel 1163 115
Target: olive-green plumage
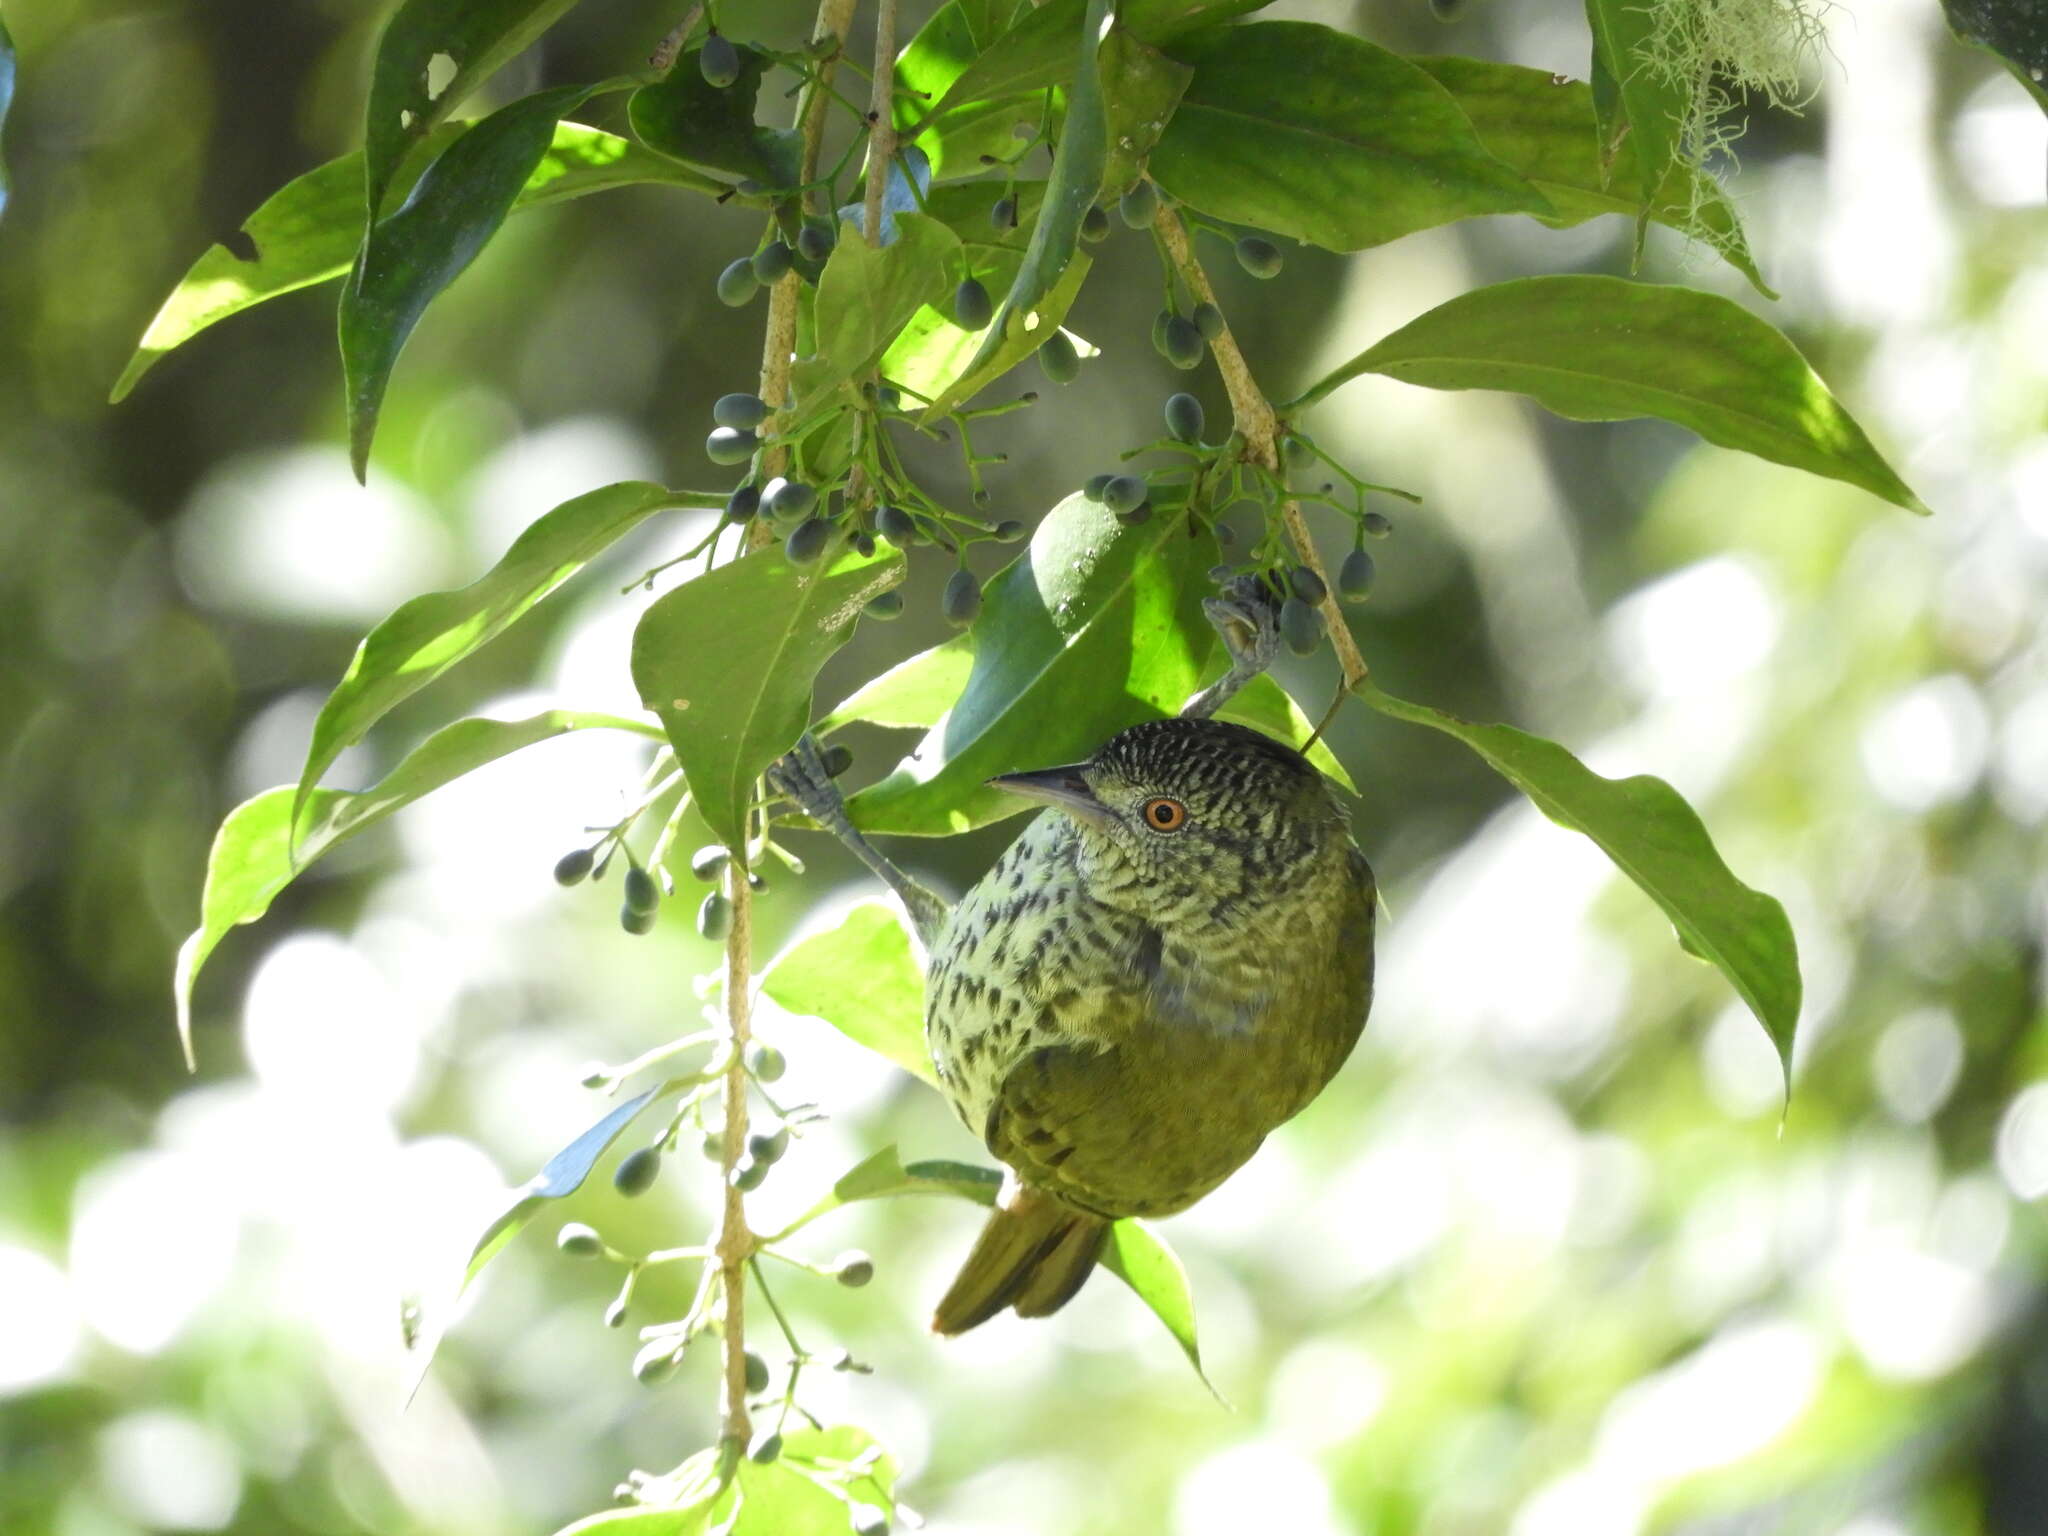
pixel 1164 967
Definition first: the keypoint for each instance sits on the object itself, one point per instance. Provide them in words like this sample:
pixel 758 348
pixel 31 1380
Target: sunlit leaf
pixel 465 41
pixel 950 366
pixel 863 978
pixel 712 127
pixel 253 857
pixel 453 210
pixel 1265 706
pixel 430 634
pixel 1310 132
pixel 1543 125
pixel 957 33
pixel 1094 628
pixel 1605 349
pixel 727 662
pixel 310 228
pixel 1659 842
pixel 1634 105
pixel 1137 1255
pixel 913 695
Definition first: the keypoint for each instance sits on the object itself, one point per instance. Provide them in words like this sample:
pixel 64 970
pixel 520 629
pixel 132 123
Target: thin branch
pixel 670 47
pixel 1254 417
pixel 881 127
pixel 734 1242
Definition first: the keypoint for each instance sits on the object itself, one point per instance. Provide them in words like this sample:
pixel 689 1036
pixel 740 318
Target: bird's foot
pixel 1246 613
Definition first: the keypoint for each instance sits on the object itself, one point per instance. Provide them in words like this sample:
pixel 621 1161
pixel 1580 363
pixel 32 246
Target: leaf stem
pixel 1261 428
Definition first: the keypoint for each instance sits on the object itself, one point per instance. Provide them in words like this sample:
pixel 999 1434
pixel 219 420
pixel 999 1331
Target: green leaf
pixel 1659 842
pixel 713 128
pixel 698 1500
pixel 950 366
pixel 253 857
pixel 957 33
pixel 1141 86
pixel 810 1488
pixel 884 1174
pixel 727 662
pixel 1544 126
pixel 863 979
pixel 1633 104
pixel 1307 131
pixel 1137 1255
pixel 1094 628
pixel 7 69
pixel 310 228
pixel 2016 35
pixel 428 37
pixel 1070 191
pixel 430 634
pixel 1605 349
pixel 1265 706
pixel 408 258
pixel 914 694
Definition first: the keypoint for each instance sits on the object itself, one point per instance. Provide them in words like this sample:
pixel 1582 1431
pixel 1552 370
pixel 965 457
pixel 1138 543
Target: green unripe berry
pixel 836 758
pixel 867 1520
pixel 1095 224
pixel 1010 530
pixel 707 861
pixel 1376 525
pixel 1159 323
pixel 757 1373
pixel 1208 320
pixel 768 1146
pixel 714 918
pixel 637 1171
pixel 718 61
pixel 573 866
pixel 765 1062
pixel 772 261
pixel 746 186
pixel 973 309
pixel 742 504
pixel 1095 485
pixel 749 1176
pixel 814 242
pixel 961 601
pixel 1300 626
pixel 656 1362
pixel 579 1241
pixel 745 412
pixel 765 1449
pixel 615 1314
pixel 1260 257
pixel 1003 213
pixel 713 1146
pixel 1058 359
pixel 1308 586
pixel 730 445
pixel 595 1074
pixel 853 1269
pixel 640 891
pixel 806 542
pixel 1184 418
pixel 1137 516
pixel 1182 343
pixel 639 924
pixel 789 498
pixel 1354 577
pixel 1139 206
pixel 737 283
pixel 885 606
pixel 1124 493
pixel 895 525
pixel 888 397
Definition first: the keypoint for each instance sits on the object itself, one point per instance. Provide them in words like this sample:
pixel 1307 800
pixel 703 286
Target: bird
pixel 1171 960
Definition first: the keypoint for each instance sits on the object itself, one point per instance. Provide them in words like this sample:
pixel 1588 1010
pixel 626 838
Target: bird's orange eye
pixel 1164 815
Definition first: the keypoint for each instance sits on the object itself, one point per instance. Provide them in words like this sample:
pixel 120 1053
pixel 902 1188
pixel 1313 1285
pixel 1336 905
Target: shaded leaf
pixel 1265 706
pixel 1141 86
pixel 407 259
pixel 1094 628
pixel 469 40
pixel 309 229
pixel 1543 125
pixel 713 127
pixel 912 695
pixel 1659 842
pixel 430 634
pixel 1605 349
pixel 864 979
pixel 253 857
pixel 1633 105
pixel 1298 128
pixel 2013 32
pixel 727 662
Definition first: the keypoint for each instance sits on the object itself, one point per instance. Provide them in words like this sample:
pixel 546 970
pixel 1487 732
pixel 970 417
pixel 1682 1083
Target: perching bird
pixel 1167 964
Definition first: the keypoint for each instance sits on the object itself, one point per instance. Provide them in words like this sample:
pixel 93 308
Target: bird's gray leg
pixel 800 774
pixel 1247 615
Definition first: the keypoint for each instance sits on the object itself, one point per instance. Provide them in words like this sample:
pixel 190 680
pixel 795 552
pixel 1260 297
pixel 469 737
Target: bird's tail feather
pixel 1033 1254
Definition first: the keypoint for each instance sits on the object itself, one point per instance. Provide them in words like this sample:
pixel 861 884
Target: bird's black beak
pixel 1062 788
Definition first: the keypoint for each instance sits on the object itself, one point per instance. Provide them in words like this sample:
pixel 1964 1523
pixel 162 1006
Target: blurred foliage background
pixel 1545 1260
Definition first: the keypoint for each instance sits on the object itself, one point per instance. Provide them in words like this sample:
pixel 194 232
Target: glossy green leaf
pixel 1310 132
pixel 727 662
pixel 712 127
pixel 310 228
pixel 864 979
pixel 957 33
pixel 1094 628
pixel 1265 706
pixel 1634 105
pixel 950 366
pixel 2012 31
pixel 467 41
pixel 1659 842
pixel 7 71
pixel 430 634
pixel 912 695
pixel 408 258
pixel 253 857
pixel 1141 87
pixel 687 1500
pixel 1543 126
pixel 1606 349
pixel 1070 191
pixel 1137 1255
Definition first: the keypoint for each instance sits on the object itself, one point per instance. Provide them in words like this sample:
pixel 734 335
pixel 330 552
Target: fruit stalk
pixel 1253 416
